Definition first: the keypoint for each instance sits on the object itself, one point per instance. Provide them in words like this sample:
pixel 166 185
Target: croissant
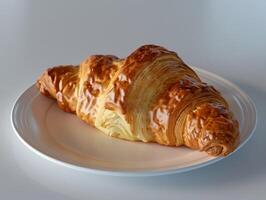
pixel 150 96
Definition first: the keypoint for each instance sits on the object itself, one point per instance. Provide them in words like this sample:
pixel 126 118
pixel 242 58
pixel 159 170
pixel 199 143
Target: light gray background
pixel 225 37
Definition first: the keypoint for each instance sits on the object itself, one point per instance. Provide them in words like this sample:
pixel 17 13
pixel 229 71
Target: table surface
pixel 224 37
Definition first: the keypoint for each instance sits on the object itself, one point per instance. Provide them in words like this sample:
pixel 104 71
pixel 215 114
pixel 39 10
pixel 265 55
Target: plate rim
pixel 141 173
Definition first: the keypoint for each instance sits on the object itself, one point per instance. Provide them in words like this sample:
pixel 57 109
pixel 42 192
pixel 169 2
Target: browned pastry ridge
pixel 150 96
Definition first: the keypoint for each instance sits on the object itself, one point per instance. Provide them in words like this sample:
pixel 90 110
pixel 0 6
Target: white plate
pixel 63 138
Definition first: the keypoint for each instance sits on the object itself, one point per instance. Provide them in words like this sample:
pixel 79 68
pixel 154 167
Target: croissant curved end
pixel 211 128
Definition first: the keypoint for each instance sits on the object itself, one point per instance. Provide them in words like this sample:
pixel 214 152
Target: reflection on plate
pixel 63 138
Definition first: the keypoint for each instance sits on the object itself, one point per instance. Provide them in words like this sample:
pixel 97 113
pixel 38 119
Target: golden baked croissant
pixel 150 96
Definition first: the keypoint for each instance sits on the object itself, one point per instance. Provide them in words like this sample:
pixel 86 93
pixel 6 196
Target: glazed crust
pixel 150 96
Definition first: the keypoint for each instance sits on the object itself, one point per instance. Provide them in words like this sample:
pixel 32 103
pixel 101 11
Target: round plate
pixel 63 138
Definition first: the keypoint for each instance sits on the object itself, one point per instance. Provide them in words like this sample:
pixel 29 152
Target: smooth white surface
pixel 64 139
pixel 225 37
